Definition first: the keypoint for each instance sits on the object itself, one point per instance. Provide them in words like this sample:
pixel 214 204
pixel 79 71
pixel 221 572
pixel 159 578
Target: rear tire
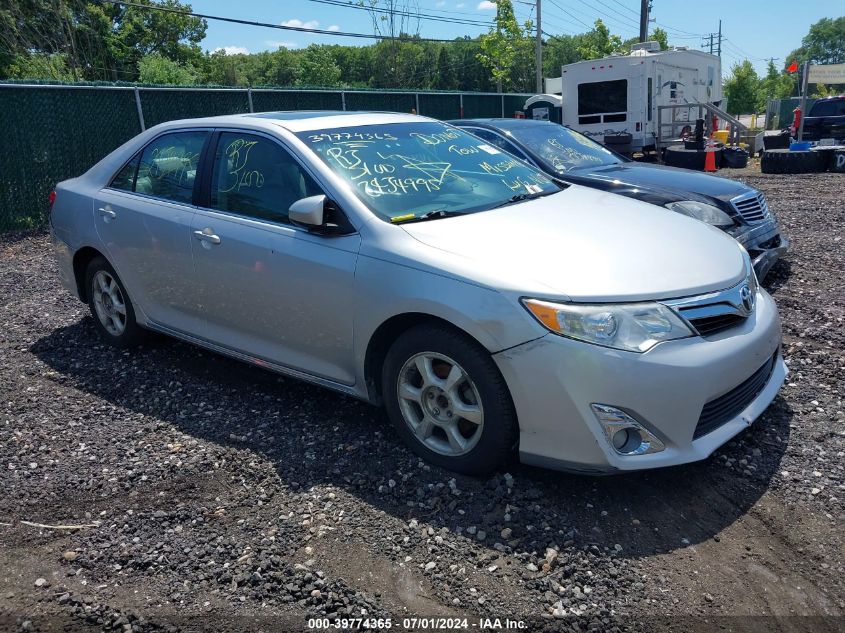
pixel 110 305
pixel 448 401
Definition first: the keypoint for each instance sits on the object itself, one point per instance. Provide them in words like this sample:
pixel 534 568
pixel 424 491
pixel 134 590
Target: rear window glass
pixel 125 178
pixel 168 166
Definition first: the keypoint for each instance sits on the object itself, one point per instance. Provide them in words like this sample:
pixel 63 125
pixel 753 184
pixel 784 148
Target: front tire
pixel 448 400
pixel 110 305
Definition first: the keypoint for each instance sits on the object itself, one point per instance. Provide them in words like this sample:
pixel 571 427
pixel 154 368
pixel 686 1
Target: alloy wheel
pixel 440 404
pixel 108 303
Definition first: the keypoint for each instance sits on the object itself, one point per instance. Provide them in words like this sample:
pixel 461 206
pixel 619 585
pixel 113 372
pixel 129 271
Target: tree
pixel 560 50
pixel 40 66
pixel 444 72
pixel 317 67
pixel 660 36
pixel 599 42
pixel 775 85
pixel 742 89
pixel 98 40
pixel 156 69
pixel 499 46
pixel 823 44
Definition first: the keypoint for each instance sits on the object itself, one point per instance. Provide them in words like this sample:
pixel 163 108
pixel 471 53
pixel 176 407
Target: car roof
pixel 301 120
pixel 501 123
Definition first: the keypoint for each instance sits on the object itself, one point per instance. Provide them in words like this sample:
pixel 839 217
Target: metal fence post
pixel 417 102
pixel 462 106
pixel 343 100
pixel 140 109
pixel 503 106
pixel 249 98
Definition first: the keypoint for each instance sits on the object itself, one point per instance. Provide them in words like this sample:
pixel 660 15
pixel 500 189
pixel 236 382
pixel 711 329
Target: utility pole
pixel 714 39
pixel 644 6
pixel 720 39
pixel 538 48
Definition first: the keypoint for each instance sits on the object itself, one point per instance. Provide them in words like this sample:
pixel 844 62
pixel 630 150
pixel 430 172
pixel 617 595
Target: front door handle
pixel 106 212
pixel 207 235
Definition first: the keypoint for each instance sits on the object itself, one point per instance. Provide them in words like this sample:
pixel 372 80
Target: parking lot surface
pixel 169 488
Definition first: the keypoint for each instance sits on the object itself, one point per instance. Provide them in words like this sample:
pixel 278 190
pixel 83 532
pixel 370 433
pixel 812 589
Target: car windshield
pixel 563 149
pixel 425 169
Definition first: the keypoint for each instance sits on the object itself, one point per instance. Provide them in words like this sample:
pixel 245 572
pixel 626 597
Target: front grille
pixel 752 207
pixel 713 324
pixel 724 408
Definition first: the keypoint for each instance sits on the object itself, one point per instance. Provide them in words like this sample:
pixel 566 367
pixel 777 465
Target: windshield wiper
pixel 431 215
pixel 521 197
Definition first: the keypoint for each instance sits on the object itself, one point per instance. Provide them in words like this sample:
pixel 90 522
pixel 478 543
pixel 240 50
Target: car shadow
pixel 314 436
pixel 778 276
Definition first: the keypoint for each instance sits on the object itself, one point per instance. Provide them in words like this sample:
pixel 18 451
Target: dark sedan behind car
pixel 732 206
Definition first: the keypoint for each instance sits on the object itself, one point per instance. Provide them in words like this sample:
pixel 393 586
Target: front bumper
pixel 554 380
pixel 765 244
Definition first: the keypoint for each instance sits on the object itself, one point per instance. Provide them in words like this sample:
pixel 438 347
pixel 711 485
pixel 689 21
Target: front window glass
pixel 563 149
pixel 406 170
pixel 169 166
pixel 256 177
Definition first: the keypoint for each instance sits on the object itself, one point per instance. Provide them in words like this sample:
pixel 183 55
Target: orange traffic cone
pixel 710 159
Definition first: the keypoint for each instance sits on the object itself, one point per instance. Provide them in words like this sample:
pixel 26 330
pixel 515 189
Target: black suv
pixel 566 155
pixel 826 119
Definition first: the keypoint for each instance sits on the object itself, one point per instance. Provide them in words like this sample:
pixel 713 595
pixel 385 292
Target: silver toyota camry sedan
pixel 397 259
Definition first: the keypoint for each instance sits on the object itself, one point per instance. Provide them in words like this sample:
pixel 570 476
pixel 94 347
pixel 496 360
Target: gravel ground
pixel 216 496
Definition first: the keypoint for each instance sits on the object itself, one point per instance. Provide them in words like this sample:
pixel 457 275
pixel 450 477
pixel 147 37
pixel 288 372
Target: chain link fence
pixel 52 132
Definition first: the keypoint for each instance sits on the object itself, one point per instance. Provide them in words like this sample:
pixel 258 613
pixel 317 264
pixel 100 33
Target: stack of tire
pixel 785 161
pixel 680 156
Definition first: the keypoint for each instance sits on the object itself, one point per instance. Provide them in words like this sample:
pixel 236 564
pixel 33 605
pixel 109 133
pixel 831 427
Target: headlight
pixel 707 213
pixel 634 327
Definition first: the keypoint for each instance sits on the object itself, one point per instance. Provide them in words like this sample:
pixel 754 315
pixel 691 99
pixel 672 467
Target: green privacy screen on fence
pixel 55 132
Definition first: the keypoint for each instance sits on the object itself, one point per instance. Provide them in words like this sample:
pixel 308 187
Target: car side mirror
pixel 308 211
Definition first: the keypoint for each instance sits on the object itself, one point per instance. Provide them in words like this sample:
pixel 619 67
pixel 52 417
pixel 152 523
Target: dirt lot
pixel 219 497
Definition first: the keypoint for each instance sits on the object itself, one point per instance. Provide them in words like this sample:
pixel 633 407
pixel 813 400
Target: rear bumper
pixel 64 260
pixel 554 380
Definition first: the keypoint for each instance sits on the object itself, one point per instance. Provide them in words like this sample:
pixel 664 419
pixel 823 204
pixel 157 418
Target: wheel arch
pixel 383 337
pixel 81 259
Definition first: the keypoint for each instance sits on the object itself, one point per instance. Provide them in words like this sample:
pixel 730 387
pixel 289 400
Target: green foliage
pixel 825 43
pixel 318 68
pixel 156 69
pixel 40 66
pixel 742 89
pixel 501 46
pixel 99 41
pixel 775 85
pixel 599 42
pixel 661 36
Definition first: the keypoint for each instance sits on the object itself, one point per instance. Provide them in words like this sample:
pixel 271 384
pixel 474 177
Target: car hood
pixel 678 181
pixel 584 245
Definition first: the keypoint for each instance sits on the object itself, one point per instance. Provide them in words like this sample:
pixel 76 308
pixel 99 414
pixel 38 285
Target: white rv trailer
pixel 620 94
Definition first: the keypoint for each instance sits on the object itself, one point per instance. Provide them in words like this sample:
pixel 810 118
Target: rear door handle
pixel 206 235
pixel 107 213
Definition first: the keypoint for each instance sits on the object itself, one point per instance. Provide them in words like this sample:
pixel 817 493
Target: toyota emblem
pixel 746 297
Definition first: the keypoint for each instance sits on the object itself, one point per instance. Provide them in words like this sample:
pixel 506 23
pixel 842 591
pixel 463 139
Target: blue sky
pixel 754 29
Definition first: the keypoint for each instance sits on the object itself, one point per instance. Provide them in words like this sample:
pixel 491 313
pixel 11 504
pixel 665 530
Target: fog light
pixel 626 435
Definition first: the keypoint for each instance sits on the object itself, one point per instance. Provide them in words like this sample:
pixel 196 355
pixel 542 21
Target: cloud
pixel 281 44
pixel 232 50
pixel 333 27
pixel 486 5
pixel 310 24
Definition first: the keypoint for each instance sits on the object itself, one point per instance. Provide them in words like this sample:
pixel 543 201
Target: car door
pixel 271 290
pixel 143 218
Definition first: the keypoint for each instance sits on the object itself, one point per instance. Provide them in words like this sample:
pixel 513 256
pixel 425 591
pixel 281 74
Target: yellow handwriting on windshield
pixel 238 176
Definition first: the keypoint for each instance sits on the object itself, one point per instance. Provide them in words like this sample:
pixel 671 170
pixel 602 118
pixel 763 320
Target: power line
pixel 300 29
pixel 421 16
